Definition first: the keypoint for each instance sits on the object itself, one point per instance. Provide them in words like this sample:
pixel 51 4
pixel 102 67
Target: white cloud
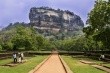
pixel 18 10
pixel 80 7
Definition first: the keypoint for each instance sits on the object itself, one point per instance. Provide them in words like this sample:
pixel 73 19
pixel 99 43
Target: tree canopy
pixel 22 38
pixel 99 23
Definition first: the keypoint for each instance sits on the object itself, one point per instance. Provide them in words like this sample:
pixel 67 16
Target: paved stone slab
pixel 52 65
pixel 87 62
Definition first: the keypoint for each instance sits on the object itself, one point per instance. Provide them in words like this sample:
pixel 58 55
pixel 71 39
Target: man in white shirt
pixel 15 57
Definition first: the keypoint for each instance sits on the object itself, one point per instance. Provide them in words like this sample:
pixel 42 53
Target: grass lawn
pixel 78 67
pixel 2 62
pixel 21 68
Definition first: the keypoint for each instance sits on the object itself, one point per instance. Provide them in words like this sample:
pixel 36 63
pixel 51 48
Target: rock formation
pixel 51 20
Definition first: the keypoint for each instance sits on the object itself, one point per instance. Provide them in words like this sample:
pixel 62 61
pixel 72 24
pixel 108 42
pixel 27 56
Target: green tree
pixel 40 41
pixel 0 48
pixel 25 38
pixel 99 23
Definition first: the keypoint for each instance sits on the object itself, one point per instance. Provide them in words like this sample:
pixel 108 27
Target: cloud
pixel 79 7
pixel 18 10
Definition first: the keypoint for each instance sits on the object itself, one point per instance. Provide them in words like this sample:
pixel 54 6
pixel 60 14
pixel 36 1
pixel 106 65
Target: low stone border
pixel 102 68
pixel 87 62
pixel 38 66
pixel 67 69
pixel 106 66
pixel 11 64
pixel 98 66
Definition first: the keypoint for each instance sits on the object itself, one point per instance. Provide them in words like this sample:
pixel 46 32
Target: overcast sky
pixel 18 10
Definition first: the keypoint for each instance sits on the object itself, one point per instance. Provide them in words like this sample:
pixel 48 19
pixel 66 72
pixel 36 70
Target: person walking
pixel 15 57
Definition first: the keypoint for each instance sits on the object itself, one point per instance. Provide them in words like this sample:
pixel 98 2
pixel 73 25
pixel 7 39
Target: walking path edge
pixel 67 69
pixel 39 65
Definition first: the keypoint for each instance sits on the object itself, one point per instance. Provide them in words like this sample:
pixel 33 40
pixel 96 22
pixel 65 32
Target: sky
pixel 18 10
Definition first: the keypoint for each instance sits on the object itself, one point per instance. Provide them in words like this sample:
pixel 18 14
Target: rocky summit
pixel 48 20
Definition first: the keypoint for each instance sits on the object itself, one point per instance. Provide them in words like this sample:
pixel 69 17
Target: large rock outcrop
pixel 48 19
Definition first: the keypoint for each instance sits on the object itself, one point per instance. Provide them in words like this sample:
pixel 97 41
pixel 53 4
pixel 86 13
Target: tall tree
pixel 99 23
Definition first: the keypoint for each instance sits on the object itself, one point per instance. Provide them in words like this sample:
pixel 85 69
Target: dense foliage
pixel 99 24
pixel 22 38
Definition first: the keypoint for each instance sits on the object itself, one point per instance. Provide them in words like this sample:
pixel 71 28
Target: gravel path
pixel 52 65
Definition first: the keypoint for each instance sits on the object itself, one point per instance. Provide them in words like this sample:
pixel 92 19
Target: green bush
pixel 0 47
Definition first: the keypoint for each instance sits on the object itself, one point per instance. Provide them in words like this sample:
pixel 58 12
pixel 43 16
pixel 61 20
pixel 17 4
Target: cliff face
pixel 45 18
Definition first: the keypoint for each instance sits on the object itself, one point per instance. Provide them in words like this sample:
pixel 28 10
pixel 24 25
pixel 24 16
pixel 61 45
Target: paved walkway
pixel 52 65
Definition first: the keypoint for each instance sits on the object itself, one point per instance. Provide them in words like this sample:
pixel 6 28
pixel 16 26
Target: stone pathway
pixel 87 62
pixel 96 65
pixel 52 65
pixel 102 68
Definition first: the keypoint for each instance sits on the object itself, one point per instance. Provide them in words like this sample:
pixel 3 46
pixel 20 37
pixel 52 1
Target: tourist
pixel 15 57
pixel 22 57
pixel 19 57
pixel 102 57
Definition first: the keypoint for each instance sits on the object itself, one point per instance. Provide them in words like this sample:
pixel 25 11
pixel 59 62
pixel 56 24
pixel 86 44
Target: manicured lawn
pixel 22 68
pixel 78 67
pixel 2 62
